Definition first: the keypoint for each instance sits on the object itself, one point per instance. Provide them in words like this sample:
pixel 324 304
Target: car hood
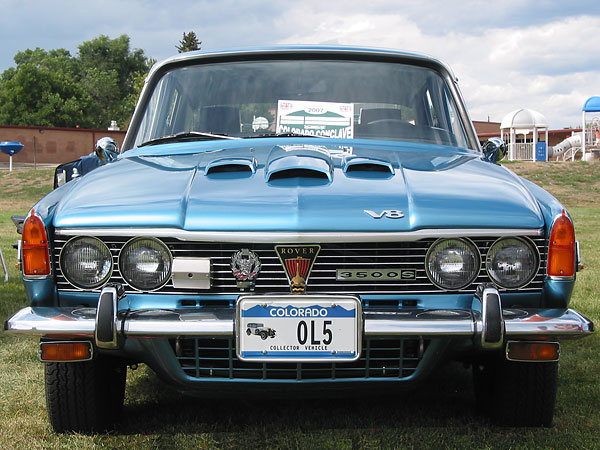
pixel 305 186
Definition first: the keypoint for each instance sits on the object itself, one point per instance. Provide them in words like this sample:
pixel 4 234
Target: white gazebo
pixel 526 132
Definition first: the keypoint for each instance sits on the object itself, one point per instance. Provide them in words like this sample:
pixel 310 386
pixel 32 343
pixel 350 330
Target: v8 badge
pixel 389 213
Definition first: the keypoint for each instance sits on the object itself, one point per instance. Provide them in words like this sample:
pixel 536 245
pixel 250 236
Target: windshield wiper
pixel 186 136
pixel 280 135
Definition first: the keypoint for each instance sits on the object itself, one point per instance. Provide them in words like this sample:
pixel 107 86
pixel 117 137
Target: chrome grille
pixel 214 358
pixel 333 256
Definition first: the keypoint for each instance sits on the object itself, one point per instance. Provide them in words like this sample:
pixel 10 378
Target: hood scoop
pixel 230 167
pixel 302 165
pixel 368 168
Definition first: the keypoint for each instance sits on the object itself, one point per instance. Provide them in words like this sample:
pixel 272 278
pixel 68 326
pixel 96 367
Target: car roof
pixel 304 50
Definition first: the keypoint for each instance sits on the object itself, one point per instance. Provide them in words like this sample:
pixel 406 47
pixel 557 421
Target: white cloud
pixel 540 54
pixel 500 69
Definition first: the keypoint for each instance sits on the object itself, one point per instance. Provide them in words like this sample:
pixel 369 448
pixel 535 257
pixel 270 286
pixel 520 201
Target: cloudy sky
pixel 507 54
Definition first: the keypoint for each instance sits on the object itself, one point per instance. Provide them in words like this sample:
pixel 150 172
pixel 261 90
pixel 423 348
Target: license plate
pixel 298 328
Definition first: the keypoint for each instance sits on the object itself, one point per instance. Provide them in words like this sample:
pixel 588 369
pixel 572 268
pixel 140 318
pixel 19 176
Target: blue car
pixel 337 195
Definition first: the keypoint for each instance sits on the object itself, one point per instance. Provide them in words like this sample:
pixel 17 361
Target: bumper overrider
pixel 486 322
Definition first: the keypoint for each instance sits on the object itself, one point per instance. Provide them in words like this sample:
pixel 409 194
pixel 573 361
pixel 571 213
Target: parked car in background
pixel 336 195
pixel 106 150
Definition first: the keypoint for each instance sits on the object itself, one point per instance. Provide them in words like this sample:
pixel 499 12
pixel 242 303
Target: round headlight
pixel 512 262
pixel 452 263
pixel 145 263
pixel 86 262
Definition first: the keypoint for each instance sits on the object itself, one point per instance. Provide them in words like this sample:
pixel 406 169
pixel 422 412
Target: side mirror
pixel 494 150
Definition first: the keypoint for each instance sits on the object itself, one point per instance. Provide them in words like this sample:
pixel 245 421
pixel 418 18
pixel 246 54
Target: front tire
pixel 518 394
pixel 85 396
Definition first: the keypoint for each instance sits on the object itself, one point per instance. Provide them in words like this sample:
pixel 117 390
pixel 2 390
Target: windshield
pixel 337 99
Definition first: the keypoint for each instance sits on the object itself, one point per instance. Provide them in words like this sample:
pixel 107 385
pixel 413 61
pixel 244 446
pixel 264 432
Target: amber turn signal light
pixel 66 351
pixel 561 250
pixel 36 260
pixel 532 351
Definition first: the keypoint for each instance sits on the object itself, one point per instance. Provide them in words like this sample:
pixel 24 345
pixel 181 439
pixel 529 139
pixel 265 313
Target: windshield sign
pixel 327 119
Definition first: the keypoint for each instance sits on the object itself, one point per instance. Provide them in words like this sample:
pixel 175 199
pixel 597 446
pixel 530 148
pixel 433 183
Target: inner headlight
pixel 512 262
pixel 86 262
pixel 452 263
pixel 145 263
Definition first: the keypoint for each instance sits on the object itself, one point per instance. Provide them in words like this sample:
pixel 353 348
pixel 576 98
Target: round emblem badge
pixel 245 266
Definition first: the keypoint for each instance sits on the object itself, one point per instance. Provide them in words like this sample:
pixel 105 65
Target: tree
pixel 43 90
pixel 52 88
pixel 188 43
pixel 109 70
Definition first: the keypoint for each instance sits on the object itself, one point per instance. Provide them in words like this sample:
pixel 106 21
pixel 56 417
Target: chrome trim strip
pixel 559 278
pixel 166 322
pixel 414 322
pixel 296 237
pixel 578 259
pixel 42 321
pixel 20 255
pixel 200 327
pixel 37 277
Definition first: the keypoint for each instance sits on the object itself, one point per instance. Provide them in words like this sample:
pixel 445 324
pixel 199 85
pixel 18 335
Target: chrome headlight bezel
pixel 535 268
pixel 476 263
pixel 132 281
pixel 66 273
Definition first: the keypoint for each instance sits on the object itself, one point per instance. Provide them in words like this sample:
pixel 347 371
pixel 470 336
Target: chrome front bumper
pixel 518 323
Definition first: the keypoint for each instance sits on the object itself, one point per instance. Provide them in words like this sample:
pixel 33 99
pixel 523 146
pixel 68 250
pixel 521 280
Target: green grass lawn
pixel 440 414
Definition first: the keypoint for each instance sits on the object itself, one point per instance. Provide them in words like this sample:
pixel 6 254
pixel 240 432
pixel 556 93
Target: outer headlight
pixel 512 262
pixel 452 263
pixel 86 262
pixel 145 263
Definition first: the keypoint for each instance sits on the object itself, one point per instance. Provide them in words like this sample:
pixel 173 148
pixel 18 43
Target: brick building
pixel 47 145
